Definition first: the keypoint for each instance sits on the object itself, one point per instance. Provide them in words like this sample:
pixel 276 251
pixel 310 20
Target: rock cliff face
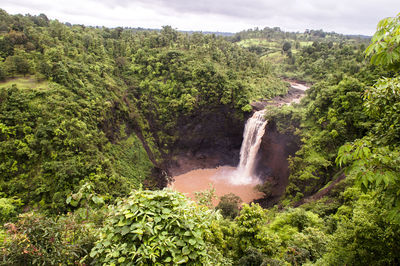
pixel 208 139
pixel 213 138
pixel 273 165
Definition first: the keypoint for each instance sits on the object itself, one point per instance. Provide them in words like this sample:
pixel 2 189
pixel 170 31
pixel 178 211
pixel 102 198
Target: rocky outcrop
pixel 273 165
pixel 213 137
pixel 207 139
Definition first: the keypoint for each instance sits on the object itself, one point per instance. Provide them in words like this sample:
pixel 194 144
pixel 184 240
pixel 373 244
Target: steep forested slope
pixel 88 115
pixel 101 105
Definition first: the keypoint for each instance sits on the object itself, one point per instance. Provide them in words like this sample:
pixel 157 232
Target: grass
pixel 259 42
pixel 274 52
pixel 304 44
pixel 28 82
pixel 275 57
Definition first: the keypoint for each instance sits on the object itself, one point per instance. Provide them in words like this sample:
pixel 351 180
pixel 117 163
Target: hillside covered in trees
pixel 91 118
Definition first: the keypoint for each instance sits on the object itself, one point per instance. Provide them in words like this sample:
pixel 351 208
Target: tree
pixel 17 64
pixel 286 46
pixel 252 231
pixel 374 159
pixel 384 48
pixel 367 237
pixel 229 205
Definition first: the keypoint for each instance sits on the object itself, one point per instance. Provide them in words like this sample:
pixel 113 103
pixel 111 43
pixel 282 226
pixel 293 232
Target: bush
pixel 252 232
pixel 252 257
pixel 155 227
pixel 296 255
pixel 367 237
pixel 311 241
pixel 229 205
pixel 297 218
pixel 39 240
pixel 9 208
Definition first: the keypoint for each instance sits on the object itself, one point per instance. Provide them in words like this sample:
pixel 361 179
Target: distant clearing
pixel 27 82
pixel 304 44
pixel 276 57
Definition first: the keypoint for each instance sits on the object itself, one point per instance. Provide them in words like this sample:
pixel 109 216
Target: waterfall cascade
pixel 252 136
pixel 239 180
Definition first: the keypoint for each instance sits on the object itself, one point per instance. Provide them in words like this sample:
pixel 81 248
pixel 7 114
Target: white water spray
pixel 252 136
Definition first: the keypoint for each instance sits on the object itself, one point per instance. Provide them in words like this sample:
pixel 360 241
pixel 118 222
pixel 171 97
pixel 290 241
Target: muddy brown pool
pixel 219 178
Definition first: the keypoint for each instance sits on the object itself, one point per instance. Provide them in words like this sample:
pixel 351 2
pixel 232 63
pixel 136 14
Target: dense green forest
pixel 82 105
pixel 89 120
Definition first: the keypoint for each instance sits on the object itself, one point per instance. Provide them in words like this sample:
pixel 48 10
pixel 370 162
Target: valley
pixel 133 146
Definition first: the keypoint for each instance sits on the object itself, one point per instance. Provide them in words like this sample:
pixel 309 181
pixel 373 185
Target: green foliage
pixel 371 166
pixel 368 237
pixel 2 238
pixel 86 200
pixel 229 205
pixel 374 167
pixel 205 197
pixel 253 257
pixel 252 231
pixel 297 255
pixel 312 241
pixel 48 146
pixel 260 237
pixel 155 227
pixel 293 221
pixel 384 48
pixel 374 159
pixel 382 104
pixel 124 153
pixel 39 240
pixel 9 208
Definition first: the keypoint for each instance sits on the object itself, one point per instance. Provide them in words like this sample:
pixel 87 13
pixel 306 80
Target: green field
pixel 27 82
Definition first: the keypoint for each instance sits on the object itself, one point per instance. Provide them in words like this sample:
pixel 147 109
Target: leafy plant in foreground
pixel 156 228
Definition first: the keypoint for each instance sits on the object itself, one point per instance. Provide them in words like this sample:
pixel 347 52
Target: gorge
pixel 97 124
pixel 263 157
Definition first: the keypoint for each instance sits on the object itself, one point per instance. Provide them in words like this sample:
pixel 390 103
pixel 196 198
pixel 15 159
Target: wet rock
pixel 273 165
pixel 208 138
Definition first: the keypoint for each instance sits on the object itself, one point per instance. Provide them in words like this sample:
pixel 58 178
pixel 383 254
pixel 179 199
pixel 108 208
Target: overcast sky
pixel 341 16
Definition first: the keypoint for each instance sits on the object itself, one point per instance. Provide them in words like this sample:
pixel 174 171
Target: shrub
pixel 252 231
pixel 40 240
pixel 297 218
pixel 296 255
pixel 155 227
pixel 252 257
pixel 311 241
pixel 9 208
pixel 229 205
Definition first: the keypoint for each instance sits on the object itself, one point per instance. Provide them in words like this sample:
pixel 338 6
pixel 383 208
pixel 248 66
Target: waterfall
pixel 252 136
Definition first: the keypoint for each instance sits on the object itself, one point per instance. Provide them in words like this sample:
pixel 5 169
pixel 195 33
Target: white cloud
pixel 343 16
